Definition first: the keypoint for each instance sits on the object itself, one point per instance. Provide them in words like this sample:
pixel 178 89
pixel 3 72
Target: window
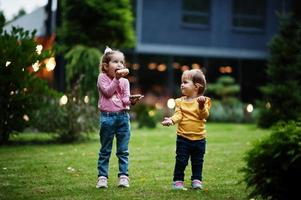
pixel 249 14
pixel 195 13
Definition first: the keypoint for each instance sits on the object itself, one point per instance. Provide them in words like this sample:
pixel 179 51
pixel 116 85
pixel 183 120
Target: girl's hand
pixel 167 121
pixel 121 73
pixel 201 100
pixel 135 98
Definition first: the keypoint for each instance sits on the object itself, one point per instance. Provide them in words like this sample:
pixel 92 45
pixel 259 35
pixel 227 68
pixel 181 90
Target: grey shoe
pixel 124 181
pixel 102 182
pixel 197 184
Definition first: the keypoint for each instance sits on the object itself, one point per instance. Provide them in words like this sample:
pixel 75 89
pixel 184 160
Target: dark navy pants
pixel 193 149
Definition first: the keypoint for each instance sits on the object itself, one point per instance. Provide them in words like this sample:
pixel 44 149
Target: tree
pixel 96 23
pixel 225 88
pixel 282 93
pixel 87 26
pixel 21 91
pixel 82 68
pixel 20 13
pixel 2 21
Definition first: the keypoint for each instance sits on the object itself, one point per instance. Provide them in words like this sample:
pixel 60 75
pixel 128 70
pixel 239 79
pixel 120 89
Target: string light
pixel 36 66
pixel 250 108
pixel 63 100
pixel 25 117
pixel 50 64
pixel 7 63
pixel 86 99
pixel 39 49
pixel 171 103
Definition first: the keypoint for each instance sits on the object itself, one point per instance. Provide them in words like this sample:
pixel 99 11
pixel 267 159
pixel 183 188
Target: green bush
pixel 283 88
pixel 145 115
pixel 230 112
pixel 20 89
pixel 70 122
pixel 273 165
pixel 82 69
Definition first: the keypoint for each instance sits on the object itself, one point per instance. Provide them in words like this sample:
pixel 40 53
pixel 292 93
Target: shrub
pixel 230 112
pixel 145 115
pixel 273 165
pixel 82 69
pixel 283 89
pixel 20 89
pixel 70 122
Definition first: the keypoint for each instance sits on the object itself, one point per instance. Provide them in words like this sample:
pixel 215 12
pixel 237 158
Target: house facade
pixel 221 37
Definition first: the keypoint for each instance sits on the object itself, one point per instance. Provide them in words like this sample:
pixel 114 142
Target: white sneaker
pixel 124 181
pixel 102 182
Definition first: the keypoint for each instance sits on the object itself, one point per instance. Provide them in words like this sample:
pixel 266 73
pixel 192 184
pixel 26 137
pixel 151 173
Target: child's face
pixel 188 88
pixel 116 62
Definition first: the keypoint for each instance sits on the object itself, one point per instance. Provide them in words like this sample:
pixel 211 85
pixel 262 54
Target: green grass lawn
pixel 58 171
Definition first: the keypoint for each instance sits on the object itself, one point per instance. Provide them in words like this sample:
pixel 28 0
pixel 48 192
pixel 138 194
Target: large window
pixel 195 13
pixel 249 14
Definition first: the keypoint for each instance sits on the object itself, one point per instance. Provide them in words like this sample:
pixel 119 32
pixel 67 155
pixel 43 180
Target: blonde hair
pixel 106 58
pixel 196 76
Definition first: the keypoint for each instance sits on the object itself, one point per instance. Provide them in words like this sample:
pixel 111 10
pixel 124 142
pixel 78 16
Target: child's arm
pixel 175 118
pixel 125 89
pixel 204 105
pixel 167 121
pixel 107 89
pixel 201 100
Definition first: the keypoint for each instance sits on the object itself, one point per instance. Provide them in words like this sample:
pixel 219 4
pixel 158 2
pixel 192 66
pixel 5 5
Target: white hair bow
pixel 107 50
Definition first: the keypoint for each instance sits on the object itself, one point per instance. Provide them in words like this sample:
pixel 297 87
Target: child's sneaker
pixel 124 181
pixel 197 184
pixel 102 182
pixel 178 185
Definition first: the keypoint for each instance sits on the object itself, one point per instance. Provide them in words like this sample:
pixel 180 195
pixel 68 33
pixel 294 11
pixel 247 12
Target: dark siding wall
pixel 161 24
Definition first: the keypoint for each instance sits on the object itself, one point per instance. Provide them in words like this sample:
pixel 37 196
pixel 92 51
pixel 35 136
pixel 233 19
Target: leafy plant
pixel 283 92
pixel 21 90
pixel 145 115
pixel 69 122
pixel 273 165
pixel 110 23
pixel 228 108
pixel 82 69
pixel 225 88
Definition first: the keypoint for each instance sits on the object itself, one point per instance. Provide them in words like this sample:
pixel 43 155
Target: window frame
pixel 195 14
pixel 262 17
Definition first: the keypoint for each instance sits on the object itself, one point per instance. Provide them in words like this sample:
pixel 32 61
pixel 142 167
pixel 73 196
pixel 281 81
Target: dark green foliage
pixel 89 25
pixel 145 116
pixel 273 165
pixel 97 23
pixel 82 68
pixel 233 112
pixel 228 108
pixel 225 88
pixel 70 122
pixel 283 91
pixel 21 91
pixel 2 21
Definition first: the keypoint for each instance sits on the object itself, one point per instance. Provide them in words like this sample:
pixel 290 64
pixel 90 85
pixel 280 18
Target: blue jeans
pixel 114 124
pixel 195 149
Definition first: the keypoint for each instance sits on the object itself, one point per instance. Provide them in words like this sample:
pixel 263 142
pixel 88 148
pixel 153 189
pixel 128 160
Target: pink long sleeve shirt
pixel 114 94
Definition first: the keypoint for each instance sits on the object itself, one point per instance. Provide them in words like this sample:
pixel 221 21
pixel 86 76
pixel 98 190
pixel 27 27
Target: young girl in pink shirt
pixel 114 103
